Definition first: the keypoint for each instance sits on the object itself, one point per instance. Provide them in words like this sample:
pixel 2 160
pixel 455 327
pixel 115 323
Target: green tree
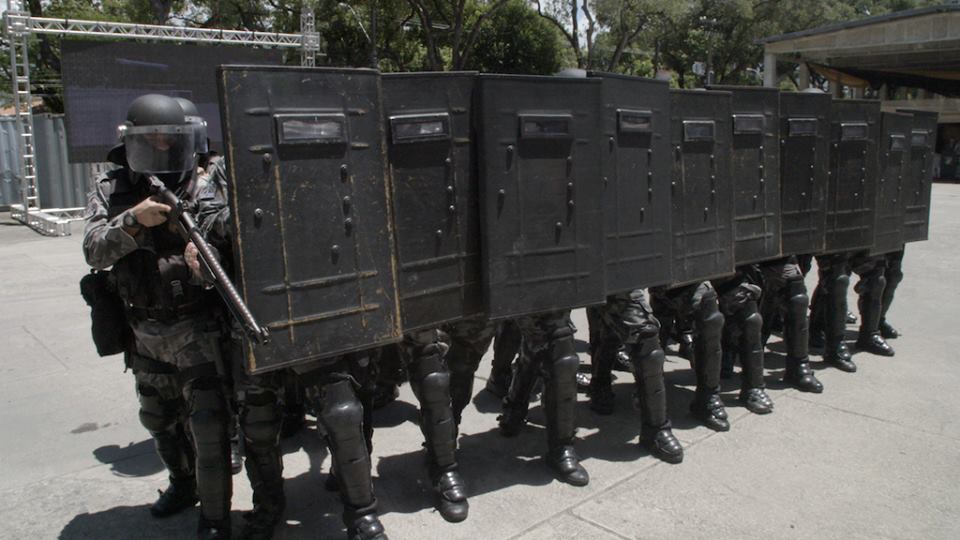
pixel 516 40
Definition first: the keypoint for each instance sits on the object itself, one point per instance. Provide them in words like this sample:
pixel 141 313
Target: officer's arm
pixel 104 240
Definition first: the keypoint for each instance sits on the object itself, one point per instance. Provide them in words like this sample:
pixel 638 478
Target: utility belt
pixel 165 315
pixel 142 364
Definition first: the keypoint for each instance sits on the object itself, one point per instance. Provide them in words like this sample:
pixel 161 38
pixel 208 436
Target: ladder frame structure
pixel 20 26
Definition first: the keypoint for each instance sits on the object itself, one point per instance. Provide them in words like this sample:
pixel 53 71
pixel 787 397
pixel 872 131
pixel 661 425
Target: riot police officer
pixel 176 349
pixel 697 301
pixel 627 319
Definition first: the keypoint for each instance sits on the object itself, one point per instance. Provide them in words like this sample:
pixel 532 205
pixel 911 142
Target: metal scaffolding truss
pixel 20 25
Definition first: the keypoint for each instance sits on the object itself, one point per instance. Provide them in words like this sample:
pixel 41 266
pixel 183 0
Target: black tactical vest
pixel 154 280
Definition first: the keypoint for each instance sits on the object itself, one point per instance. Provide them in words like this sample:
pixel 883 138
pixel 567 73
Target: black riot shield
pixel 540 193
pixel 851 192
pixel 701 187
pixel 755 168
pixel 804 169
pixel 635 151
pixel 919 179
pixel 313 240
pixel 435 200
pixel 894 159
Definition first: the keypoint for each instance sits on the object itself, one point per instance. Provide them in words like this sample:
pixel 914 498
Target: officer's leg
pixel 752 393
pixel 261 418
pixel 870 302
pixel 655 431
pixel 798 372
pixel 208 418
pixel 160 416
pixel 516 403
pixel 835 280
pixel 708 322
pixel 894 275
pixel 506 347
pixel 604 345
pixel 341 414
pixel 431 384
pixel 469 340
pixel 560 400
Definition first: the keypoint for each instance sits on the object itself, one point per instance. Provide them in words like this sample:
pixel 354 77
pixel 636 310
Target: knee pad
pixel 894 275
pixel 341 410
pixel 429 360
pixel 565 367
pixel 461 360
pixel 752 326
pixel 647 354
pixel 841 283
pixel 797 298
pixel 435 388
pixel 261 420
pixel 208 416
pixel 709 318
pixel 156 415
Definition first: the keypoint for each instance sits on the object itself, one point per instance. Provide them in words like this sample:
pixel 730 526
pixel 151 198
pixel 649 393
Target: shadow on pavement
pixel 132 521
pixel 134 459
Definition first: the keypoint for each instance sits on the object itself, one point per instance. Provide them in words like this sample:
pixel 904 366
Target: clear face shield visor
pixel 200 133
pixel 160 149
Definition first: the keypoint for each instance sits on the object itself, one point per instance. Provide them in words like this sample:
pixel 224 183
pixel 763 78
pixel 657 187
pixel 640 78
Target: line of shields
pixel 368 205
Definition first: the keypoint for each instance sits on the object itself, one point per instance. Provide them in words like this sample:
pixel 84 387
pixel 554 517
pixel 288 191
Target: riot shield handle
pixel 191 233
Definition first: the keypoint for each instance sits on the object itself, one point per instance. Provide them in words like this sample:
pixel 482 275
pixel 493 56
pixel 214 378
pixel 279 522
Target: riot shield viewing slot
pixel 898 142
pixel 802 127
pixel 854 131
pixel 411 128
pixel 748 124
pixel 630 121
pixel 306 129
pixel 545 126
pixel 698 130
pixel 918 137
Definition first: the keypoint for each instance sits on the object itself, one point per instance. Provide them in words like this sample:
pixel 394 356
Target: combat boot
pixel 799 375
pixel 236 456
pixel 756 400
pixel 875 344
pixel 498 383
pixel 563 459
pixel 210 529
pixel 663 445
pixel 366 527
pixel 451 496
pixel 839 356
pixel 887 331
pixel 179 495
pixel 709 410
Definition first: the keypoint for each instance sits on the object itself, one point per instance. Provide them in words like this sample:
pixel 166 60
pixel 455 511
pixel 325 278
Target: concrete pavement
pixel 877 455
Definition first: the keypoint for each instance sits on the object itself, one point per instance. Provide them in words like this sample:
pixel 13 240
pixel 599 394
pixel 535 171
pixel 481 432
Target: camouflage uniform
pixel 469 341
pixel 785 297
pixel 697 302
pixel 176 336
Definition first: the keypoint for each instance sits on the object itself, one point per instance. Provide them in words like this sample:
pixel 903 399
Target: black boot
pixel 799 375
pixel 709 409
pixel 850 318
pixel 887 331
pixel 875 344
pixel 838 356
pixel 756 400
pixel 366 527
pixel 663 445
pixel 236 456
pixel 209 529
pixel 752 393
pixel 179 495
pixel 517 403
pixel 451 496
pixel 565 463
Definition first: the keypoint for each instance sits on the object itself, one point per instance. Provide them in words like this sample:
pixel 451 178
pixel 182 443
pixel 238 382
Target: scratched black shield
pixel 894 162
pixel 635 150
pixel 313 240
pixel 540 193
pixel 804 170
pixel 755 169
pixel 435 199
pixel 701 185
pixel 919 179
pixel 851 192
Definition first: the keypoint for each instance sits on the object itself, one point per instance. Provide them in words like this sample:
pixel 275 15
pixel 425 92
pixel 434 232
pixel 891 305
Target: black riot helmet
pixel 199 124
pixel 157 138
